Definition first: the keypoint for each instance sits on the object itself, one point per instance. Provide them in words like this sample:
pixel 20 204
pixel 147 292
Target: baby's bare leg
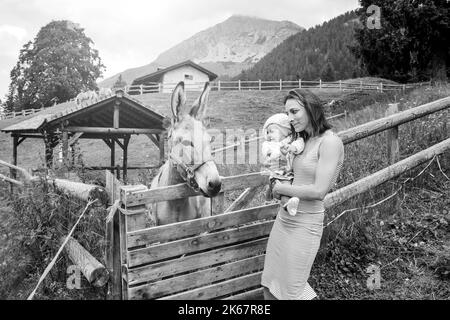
pixel 284 199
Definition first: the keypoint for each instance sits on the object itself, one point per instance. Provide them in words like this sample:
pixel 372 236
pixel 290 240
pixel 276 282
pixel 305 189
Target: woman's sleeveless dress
pixel 294 240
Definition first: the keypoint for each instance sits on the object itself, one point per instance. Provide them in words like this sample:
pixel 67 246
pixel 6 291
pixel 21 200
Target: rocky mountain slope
pixel 226 48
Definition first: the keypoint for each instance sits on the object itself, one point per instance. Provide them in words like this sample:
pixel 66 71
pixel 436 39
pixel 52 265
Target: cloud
pixel 132 33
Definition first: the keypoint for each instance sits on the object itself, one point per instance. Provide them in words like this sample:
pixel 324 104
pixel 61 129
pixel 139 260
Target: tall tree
pixel 410 42
pixel 58 64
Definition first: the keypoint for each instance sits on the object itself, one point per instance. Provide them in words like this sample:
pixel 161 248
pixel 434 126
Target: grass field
pixel 406 236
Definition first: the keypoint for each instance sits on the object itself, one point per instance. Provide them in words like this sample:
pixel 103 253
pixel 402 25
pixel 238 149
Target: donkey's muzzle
pixel 214 187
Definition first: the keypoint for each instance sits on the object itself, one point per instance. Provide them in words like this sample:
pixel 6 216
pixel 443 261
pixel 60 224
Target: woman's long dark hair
pixel 314 109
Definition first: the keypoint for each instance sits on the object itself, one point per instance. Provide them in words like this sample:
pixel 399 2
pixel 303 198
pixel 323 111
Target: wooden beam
pixel 116 115
pixel 65 148
pixel 5 178
pixel 242 200
pixel 379 125
pixel 21 139
pixel 120 143
pixel 14 156
pixel 154 138
pixel 30 136
pixel 125 158
pixel 75 138
pixel 385 174
pixel 108 142
pixel 83 191
pixel 112 130
pixel 94 271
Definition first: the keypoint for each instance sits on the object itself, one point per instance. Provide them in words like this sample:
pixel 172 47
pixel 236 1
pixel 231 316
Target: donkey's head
pixel 189 143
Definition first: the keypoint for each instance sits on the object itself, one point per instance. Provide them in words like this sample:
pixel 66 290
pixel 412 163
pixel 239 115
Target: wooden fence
pixel 11 115
pixel 222 256
pixel 259 85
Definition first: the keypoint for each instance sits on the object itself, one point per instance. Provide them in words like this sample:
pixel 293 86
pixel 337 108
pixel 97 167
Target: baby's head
pixel 277 127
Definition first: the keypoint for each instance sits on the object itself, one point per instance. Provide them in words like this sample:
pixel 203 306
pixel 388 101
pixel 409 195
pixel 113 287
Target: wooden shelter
pixel 113 119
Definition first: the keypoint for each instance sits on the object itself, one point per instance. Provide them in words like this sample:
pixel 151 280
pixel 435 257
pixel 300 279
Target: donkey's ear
pixel 198 109
pixel 178 100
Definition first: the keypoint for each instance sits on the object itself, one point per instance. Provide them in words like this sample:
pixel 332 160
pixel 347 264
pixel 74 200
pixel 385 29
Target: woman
pixel 294 240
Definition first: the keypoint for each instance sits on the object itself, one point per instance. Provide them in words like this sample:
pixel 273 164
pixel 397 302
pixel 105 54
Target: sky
pixel 132 33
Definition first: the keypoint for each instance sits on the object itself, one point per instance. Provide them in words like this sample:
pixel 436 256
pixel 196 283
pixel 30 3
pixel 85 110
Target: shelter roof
pixel 98 113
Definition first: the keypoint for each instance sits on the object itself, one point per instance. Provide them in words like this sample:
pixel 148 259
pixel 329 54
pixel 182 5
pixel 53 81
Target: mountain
pixel 321 52
pixel 226 48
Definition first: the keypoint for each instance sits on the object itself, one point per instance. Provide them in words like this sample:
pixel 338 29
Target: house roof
pixel 133 114
pixel 157 76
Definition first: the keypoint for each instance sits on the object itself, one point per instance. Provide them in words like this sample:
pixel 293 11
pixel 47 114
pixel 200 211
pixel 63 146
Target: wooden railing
pixel 259 85
pixel 181 260
pixel 13 114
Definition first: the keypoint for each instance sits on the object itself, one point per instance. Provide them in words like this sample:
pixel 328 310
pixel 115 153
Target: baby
pixel 276 149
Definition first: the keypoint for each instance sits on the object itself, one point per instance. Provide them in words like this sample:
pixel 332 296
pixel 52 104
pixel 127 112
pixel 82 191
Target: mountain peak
pixel 225 48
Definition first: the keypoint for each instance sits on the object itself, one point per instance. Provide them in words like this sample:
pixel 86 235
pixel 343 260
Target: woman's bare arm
pixel 330 152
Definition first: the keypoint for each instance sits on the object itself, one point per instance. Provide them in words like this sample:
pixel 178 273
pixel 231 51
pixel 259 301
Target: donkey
pixel 189 161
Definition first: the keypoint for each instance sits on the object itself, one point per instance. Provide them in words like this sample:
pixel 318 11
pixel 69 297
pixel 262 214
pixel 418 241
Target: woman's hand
pixel 275 190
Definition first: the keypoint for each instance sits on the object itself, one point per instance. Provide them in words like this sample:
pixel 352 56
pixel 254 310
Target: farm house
pixel 193 75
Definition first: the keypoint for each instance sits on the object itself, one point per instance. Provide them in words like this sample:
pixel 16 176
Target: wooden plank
pixel 385 174
pixel 112 187
pixel 219 289
pixel 197 279
pixel 243 200
pixel 206 224
pixel 255 294
pixel 116 291
pixel 198 243
pixel 200 260
pixel 217 204
pixel 182 190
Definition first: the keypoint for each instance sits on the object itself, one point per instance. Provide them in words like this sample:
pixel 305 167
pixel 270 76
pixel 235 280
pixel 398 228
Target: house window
pixel 188 77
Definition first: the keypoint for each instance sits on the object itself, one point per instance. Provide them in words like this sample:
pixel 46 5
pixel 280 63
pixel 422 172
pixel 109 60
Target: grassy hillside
pixel 226 110
pixel 406 236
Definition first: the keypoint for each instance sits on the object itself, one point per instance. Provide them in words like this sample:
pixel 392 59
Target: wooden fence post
pixel 159 87
pixel 141 89
pixel 218 85
pixel 381 86
pixel 360 85
pixel 340 85
pixel 320 83
pixel 239 85
pixel 259 84
pixel 393 149
pixel 300 83
pixel 113 258
pixel 281 84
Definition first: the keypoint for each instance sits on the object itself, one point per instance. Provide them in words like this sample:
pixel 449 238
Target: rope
pixel 50 265
pixel 385 199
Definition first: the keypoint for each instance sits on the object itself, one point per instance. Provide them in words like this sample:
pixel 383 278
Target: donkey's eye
pixel 187 143
pixel 213 138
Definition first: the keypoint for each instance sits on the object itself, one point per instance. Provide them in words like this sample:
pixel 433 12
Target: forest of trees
pixel 321 52
pixel 411 42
